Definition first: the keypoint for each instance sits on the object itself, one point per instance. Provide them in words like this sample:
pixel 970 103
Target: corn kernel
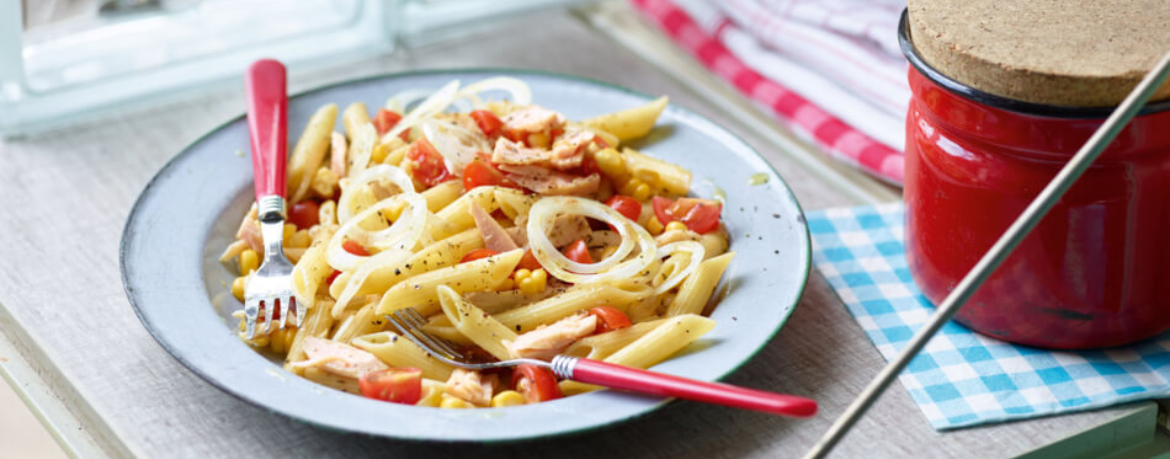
pixel 521 274
pixel 249 261
pixel 641 192
pixel 676 226
pixel 299 240
pixel 654 226
pixel 631 186
pixel 289 230
pixel 454 403
pixel 535 282
pixel 507 398
pixel 506 284
pixel 539 140
pixel 610 162
pixel 238 288
pixel 379 154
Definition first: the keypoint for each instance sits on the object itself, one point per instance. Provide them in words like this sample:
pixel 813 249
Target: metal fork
pixel 409 323
pixel 271 286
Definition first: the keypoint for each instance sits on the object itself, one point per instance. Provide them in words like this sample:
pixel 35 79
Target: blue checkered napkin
pixel 962 378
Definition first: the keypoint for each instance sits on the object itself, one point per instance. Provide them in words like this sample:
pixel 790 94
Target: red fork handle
pixel 265 84
pixel 647 382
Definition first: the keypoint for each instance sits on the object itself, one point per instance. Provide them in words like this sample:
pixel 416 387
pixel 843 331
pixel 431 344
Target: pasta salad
pixel 515 231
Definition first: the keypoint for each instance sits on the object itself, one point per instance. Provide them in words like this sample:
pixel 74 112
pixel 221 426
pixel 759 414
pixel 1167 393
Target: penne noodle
pixel 672 179
pixel 310 272
pixel 318 321
pixel 363 322
pixel 354 115
pixel 325 378
pixel 578 298
pixel 696 290
pixel 669 337
pixel 479 327
pixel 420 292
pixel 458 213
pixel 631 123
pixel 598 347
pixel 441 254
pixel 310 150
pixel 399 352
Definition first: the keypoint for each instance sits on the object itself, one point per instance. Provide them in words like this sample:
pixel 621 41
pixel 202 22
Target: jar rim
pixel 985 98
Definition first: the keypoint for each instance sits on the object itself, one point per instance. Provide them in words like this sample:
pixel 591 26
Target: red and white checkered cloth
pixel 830 68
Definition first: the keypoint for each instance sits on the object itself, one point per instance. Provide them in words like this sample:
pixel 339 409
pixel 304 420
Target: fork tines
pixel 409 323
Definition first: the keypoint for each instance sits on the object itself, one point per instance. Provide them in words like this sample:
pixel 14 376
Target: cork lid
pixel 1080 53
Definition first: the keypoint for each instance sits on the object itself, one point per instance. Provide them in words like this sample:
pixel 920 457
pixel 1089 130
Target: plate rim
pixel 135 213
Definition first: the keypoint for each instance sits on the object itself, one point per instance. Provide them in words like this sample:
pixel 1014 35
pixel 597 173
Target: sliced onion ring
pixel 697 252
pixel 404 234
pixel 547 210
pixel 519 91
pixel 432 106
pixel 380 172
pixel 392 257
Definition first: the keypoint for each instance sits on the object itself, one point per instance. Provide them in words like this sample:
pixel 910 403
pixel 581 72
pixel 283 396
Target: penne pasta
pixel 669 337
pixel 420 292
pixel 579 298
pixel 671 178
pixel 696 290
pixel 399 352
pixel 441 254
pixel 598 347
pixel 631 123
pixel 479 327
pixel 318 321
pixel 355 114
pixel 310 150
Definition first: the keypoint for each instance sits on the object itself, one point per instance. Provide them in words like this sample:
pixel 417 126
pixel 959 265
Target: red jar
pixel 1095 272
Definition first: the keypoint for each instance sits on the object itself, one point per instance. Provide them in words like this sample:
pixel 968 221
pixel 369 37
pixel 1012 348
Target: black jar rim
pixel 1000 102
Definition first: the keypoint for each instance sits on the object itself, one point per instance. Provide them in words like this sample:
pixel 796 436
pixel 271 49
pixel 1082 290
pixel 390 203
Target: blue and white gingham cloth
pixel 963 378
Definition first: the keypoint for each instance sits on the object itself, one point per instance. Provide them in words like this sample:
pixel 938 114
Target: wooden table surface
pixel 74 347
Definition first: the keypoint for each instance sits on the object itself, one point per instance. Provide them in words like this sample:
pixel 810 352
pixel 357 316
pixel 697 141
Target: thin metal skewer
pixel 1000 251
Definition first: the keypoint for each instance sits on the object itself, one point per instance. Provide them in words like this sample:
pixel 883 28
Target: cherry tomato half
pixel 700 215
pixel 430 169
pixel 385 120
pixel 304 214
pixel 481 172
pixel 529 261
pixel 535 384
pixel 625 205
pixel 478 254
pixel 578 252
pixel 353 247
pixel 488 122
pixel 609 318
pixel 395 385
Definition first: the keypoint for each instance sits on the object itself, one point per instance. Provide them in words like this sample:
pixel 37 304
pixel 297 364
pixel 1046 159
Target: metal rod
pixel 1000 251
